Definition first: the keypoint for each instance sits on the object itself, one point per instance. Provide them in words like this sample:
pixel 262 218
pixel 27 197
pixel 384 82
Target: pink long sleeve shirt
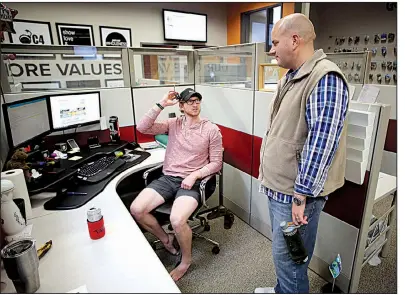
pixel 189 148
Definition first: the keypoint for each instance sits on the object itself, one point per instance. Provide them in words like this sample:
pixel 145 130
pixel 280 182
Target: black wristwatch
pixel 160 106
pixel 297 201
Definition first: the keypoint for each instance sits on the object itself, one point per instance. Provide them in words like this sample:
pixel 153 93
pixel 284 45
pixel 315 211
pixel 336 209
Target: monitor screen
pixel 183 26
pixel 26 119
pixel 72 110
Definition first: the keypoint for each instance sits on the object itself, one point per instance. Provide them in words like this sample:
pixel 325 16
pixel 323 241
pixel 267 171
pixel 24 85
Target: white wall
pixel 144 19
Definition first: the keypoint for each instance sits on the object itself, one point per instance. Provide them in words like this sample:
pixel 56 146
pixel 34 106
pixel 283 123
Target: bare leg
pixel 141 207
pixel 182 209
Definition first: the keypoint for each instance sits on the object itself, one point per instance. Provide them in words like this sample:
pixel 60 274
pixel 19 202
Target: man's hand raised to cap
pixel 169 99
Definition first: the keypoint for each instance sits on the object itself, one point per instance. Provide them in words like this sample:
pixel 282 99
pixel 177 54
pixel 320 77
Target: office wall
pixel 234 11
pixel 351 19
pixel 144 19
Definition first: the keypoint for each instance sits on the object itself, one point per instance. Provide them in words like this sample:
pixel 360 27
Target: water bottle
pixel 295 245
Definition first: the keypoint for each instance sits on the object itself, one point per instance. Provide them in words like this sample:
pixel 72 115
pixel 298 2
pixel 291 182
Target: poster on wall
pixel 29 32
pixel 71 34
pixel 112 36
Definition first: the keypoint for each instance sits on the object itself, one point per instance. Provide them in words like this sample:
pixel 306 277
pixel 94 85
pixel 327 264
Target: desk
pixel 121 262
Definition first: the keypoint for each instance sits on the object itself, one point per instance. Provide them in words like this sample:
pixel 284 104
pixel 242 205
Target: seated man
pixel 194 151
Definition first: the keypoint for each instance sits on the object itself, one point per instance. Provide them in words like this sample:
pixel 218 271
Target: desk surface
pixel 121 262
pixel 47 181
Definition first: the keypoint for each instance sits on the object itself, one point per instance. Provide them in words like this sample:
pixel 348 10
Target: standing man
pixel 303 153
pixel 193 152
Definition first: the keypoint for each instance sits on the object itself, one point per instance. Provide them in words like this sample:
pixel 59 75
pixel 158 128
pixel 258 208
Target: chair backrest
pixel 162 139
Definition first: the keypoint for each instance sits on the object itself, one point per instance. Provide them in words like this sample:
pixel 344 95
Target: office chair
pixel 207 188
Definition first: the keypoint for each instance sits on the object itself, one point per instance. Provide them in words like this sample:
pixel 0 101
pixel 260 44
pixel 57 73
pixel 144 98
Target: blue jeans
pixel 292 277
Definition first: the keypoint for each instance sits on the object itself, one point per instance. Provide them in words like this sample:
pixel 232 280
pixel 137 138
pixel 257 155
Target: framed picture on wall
pixel 30 32
pixel 114 36
pixel 72 34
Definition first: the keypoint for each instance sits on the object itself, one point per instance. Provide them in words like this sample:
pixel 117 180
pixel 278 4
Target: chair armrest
pixel 147 172
pixel 203 184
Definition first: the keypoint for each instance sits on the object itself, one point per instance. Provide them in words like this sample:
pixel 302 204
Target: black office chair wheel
pixel 207 227
pixel 203 222
pixel 228 220
pixel 215 250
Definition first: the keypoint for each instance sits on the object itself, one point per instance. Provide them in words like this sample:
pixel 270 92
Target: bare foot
pixel 179 271
pixel 169 245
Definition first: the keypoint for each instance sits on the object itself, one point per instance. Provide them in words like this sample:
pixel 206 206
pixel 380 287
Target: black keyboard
pixel 100 169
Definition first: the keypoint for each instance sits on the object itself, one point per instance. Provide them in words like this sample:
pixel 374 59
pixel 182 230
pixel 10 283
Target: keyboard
pixel 98 170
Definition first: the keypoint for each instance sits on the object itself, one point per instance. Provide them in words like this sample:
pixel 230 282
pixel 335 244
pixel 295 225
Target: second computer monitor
pixel 75 109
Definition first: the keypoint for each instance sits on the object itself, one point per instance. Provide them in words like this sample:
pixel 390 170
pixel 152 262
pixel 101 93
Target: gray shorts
pixel 169 187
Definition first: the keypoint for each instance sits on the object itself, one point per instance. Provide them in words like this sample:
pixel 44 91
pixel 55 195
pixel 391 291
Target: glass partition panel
pixel 228 66
pixel 161 66
pixel 39 68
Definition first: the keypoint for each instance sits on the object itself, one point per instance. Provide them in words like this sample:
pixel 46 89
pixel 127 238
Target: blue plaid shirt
pixel 325 113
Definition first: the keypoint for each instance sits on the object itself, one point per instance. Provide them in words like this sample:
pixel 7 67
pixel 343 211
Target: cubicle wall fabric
pixel 391 139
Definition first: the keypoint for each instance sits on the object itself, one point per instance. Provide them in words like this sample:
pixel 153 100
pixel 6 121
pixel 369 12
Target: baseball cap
pixel 187 93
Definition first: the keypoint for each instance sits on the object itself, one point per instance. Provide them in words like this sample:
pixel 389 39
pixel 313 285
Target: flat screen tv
pixel 184 26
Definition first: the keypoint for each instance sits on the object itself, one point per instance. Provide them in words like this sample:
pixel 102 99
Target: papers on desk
pixel 81 289
pixel 150 145
pixel 75 158
pixel 369 93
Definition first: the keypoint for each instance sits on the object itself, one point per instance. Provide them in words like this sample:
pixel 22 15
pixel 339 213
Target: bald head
pixel 299 24
pixel 293 41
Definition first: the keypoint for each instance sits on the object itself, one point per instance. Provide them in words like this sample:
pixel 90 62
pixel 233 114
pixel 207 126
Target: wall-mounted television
pixel 184 26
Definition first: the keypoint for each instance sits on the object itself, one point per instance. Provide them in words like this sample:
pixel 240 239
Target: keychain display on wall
pixel 383 48
pixel 352 64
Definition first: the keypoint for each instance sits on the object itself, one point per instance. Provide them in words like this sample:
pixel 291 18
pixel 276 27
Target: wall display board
pixel 383 48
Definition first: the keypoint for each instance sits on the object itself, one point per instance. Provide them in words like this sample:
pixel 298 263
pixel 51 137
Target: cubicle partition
pixel 228 79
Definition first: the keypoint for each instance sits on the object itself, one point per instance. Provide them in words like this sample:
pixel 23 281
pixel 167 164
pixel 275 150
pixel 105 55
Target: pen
pixel 76 193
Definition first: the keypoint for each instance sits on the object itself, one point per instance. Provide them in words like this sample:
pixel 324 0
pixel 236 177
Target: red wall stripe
pixel 391 138
pixel 141 138
pixel 238 148
pixel 127 133
pixel 257 143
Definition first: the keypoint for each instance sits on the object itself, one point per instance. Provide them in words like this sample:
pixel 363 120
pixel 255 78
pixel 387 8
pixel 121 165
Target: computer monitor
pixel 25 120
pixel 74 110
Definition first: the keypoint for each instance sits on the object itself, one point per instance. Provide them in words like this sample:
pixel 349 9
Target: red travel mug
pixel 95 223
